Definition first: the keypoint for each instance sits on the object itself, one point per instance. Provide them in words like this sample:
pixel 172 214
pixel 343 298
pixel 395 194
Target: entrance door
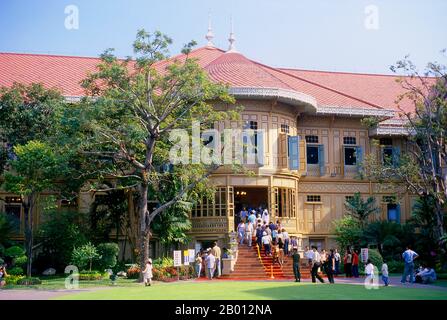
pixel 249 198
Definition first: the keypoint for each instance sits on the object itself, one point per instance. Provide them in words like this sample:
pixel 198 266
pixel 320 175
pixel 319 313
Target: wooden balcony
pixel 210 225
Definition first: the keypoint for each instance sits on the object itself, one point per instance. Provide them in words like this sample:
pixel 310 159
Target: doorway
pixel 249 198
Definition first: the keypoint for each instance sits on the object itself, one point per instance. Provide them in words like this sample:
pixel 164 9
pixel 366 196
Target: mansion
pixel 312 147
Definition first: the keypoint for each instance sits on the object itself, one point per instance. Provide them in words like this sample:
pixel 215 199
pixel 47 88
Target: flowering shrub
pixel 133 272
pixel 165 273
pixel 11 279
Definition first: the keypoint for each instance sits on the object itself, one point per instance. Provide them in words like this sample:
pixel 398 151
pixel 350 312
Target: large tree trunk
pixel 29 226
pixel 144 228
pixel 439 229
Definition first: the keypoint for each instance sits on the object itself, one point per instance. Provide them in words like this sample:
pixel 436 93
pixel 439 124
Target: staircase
pixel 286 270
pixel 249 266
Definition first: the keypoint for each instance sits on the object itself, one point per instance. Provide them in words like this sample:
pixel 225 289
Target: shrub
pixel 163 262
pixel 133 272
pixel 90 275
pixel 15 271
pixel 14 252
pixel 376 259
pixel 84 256
pixel 29 281
pixel 395 266
pixel 157 274
pixel 12 279
pixel 20 261
pixel 2 261
pixel 109 253
pixel 59 233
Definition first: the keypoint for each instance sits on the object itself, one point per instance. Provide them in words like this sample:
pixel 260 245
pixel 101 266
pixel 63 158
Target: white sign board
pixel 177 258
pixel 364 254
pixel 186 257
pixel 192 255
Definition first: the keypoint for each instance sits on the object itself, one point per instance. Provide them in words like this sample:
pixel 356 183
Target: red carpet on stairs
pixel 250 267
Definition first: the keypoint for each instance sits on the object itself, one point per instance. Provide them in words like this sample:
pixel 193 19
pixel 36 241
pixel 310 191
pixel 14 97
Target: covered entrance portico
pixel 249 198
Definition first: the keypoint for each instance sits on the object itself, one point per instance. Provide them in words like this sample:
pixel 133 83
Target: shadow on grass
pixel 310 291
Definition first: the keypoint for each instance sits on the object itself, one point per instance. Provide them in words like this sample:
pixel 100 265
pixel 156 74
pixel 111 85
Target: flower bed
pixel 164 273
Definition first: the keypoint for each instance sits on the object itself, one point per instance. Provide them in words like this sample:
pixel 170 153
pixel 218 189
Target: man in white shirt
pixel 210 263
pixel 265 216
pixel 408 256
pixel 266 241
pixel 309 254
pixel 316 263
pixel 249 229
pixel 337 261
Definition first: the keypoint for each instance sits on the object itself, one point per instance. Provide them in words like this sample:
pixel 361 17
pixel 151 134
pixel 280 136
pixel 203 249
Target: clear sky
pixel 334 35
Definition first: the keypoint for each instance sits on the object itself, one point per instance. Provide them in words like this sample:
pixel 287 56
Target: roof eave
pixel 290 97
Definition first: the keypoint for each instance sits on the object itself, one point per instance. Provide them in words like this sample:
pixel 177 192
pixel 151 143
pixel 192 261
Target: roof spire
pixel 210 35
pixel 232 39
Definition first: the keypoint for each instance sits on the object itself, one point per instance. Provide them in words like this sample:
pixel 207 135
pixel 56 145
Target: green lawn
pixel 255 291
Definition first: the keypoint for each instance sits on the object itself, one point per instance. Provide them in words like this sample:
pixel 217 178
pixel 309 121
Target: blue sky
pixel 322 35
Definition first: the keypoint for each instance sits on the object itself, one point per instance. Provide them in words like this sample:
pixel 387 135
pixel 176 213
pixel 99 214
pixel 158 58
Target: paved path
pixel 31 294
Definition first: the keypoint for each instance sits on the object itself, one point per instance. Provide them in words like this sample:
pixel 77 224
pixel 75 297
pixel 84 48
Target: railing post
pixel 271 272
pixel 259 252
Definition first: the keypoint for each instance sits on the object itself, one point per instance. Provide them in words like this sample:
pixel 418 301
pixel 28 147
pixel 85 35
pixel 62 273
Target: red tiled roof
pixel 238 71
pixel 364 91
pixel 378 89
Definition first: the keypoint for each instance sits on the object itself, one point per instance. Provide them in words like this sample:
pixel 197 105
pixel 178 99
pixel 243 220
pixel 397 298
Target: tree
pixel 348 231
pixel 360 209
pixel 136 105
pixel 422 168
pixel 31 172
pixel 27 113
pixel 6 228
pixel 83 256
pixel 385 234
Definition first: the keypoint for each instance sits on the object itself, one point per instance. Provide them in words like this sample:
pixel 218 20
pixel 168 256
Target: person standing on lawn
pixel 147 273
pixel 296 264
pixel 337 261
pixel 355 264
pixel 198 262
pixel 217 255
pixel 348 263
pixel 316 263
pixel 408 256
pixel 330 266
pixel 210 263
pixel 369 271
pixel 3 276
pixel 385 273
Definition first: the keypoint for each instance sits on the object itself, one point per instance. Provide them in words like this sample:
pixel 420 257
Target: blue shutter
pixel 359 157
pixel 396 156
pixel 260 147
pixel 398 213
pixel 321 159
pixel 293 152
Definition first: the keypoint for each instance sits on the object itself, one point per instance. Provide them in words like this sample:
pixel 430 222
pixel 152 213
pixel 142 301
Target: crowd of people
pixel 209 262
